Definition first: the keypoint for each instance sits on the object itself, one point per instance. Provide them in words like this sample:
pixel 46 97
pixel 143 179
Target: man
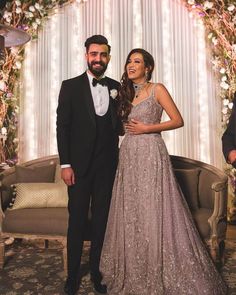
pixel 229 138
pixel 87 137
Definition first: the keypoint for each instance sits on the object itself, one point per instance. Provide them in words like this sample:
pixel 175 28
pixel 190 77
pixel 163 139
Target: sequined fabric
pixel 151 244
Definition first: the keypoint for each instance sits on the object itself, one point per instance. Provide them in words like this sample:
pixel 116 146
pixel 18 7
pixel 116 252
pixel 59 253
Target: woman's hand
pixel 136 127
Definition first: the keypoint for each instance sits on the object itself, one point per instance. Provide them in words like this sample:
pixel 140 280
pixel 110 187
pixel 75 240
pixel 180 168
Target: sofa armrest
pixel 220 203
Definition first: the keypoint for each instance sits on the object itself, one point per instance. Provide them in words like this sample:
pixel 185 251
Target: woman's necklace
pixel 138 88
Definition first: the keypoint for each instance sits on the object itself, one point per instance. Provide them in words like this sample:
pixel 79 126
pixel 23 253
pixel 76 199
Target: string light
pixel 27 106
pixel 202 93
pixel 107 30
pixel 54 79
pixel 137 24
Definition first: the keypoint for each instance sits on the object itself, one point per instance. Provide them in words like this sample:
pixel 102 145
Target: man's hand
pixel 68 176
pixel 232 156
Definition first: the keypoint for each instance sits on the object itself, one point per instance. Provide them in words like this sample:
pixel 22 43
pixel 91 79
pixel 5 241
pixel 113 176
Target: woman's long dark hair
pixel 127 89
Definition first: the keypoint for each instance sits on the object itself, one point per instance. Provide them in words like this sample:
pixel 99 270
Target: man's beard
pixel 97 72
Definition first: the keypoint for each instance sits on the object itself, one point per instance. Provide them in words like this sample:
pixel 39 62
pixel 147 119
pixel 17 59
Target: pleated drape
pixel 165 29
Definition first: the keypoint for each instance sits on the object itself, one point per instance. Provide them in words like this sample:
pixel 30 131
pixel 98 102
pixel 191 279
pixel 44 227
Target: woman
pixel 151 244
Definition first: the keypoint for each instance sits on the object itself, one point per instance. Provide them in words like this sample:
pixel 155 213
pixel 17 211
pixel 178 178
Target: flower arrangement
pixel 219 18
pixel 27 15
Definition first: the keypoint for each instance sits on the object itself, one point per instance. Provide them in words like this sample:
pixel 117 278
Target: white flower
pixel 208 5
pixel 3 86
pixel 214 40
pixel 38 21
pixel 225 102
pixel 230 106
pixel 35 25
pixel 113 93
pixel 9 95
pixel 31 8
pixel 29 14
pixel 4 131
pixel 18 10
pixel 222 70
pixel 18 3
pixel 224 78
pixel 231 7
pixel 210 36
pixel 191 2
pixel 16 140
pixel 224 85
pixel 37 6
pixel 7 15
pixel 18 64
pixel 225 111
pixel 234 47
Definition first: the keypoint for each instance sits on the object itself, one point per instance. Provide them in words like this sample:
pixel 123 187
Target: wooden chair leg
pixel 46 244
pixel 214 249
pixel 64 244
pixel 2 252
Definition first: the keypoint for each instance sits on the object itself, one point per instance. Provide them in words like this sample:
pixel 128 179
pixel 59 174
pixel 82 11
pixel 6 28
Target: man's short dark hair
pixel 97 39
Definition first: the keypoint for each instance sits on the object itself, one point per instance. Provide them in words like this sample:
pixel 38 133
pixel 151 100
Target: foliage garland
pixel 219 19
pixel 27 15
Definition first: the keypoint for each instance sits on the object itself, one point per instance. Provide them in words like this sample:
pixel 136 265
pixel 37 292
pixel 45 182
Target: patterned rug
pixel 31 270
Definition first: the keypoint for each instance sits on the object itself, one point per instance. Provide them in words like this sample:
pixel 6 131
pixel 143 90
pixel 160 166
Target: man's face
pixel 97 59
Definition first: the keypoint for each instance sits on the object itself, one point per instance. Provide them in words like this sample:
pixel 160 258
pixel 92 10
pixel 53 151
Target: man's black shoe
pixel 98 286
pixel 71 287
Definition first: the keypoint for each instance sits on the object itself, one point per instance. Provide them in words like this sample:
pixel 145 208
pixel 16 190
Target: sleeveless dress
pixel 151 244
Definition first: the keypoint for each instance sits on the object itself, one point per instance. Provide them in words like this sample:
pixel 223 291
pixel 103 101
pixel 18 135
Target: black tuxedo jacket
pixel 229 136
pixel 76 125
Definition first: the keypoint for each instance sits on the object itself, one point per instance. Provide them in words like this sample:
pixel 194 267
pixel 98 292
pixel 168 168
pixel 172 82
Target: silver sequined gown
pixel 151 245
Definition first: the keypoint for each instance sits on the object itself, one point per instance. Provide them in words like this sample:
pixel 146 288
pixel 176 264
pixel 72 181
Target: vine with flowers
pixel 27 15
pixel 218 16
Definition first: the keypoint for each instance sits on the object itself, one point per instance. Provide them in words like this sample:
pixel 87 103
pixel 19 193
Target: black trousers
pixel 94 188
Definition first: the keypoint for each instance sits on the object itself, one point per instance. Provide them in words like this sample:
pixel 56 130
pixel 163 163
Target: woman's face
pixel 136 68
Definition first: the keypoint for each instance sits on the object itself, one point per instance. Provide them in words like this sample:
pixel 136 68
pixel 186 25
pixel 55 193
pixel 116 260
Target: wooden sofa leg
pixel 64 244
pixel 2 252
pixel 214 249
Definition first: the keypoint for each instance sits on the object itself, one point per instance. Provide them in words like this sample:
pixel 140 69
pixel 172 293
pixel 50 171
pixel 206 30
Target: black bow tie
pixel 102 81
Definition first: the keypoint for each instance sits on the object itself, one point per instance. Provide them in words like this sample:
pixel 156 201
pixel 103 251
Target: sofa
pixel 204 187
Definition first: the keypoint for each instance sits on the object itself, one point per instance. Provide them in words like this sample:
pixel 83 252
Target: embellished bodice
pixel 148 111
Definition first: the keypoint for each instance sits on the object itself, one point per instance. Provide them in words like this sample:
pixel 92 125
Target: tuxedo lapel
pixel 88 96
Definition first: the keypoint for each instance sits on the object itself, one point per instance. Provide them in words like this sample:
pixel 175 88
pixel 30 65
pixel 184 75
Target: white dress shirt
pixel 100 96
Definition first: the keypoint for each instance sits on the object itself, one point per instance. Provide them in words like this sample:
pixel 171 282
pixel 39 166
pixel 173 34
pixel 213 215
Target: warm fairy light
pixel 169 137
pixel 54 78
pixel 27 106
pixel 107 30
pixel 137 24
pixel 78 51
pixel 202 93
pixel 166 41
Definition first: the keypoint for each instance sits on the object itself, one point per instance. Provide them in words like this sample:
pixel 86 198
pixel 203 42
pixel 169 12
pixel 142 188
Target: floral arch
pixel 218 16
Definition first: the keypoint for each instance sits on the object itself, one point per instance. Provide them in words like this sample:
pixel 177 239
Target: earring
pixel 146 75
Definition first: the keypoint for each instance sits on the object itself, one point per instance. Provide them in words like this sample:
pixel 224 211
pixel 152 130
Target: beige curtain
pixel 165 29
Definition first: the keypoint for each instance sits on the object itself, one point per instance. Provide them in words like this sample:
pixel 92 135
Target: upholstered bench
pixel 204 187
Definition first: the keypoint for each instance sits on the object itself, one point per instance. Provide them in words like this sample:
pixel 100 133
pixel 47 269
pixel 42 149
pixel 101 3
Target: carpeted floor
pixel 31 270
